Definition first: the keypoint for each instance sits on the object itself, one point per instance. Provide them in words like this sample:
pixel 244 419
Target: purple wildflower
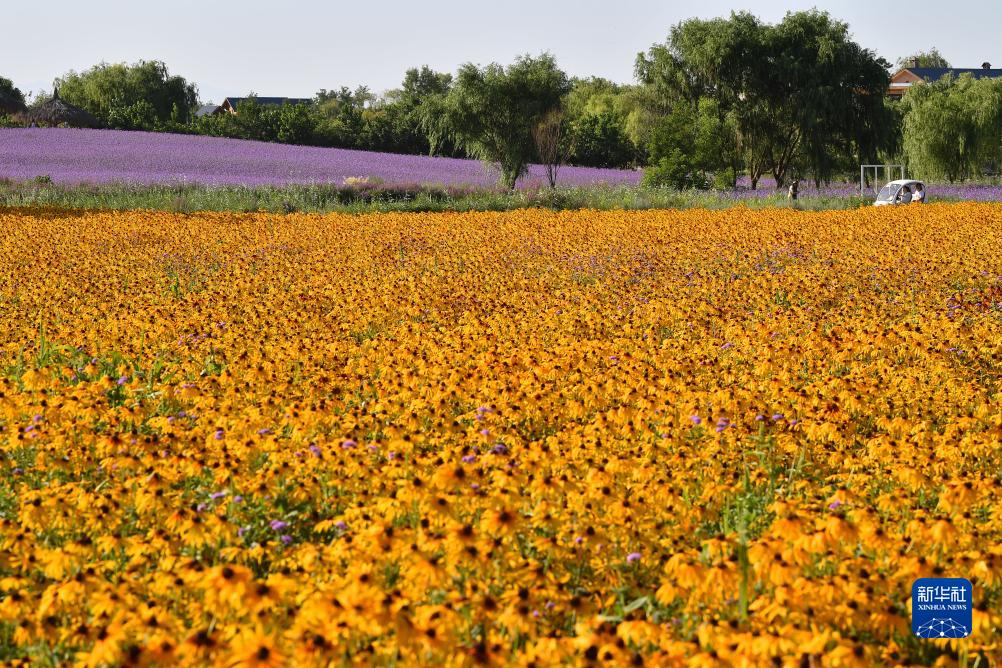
pixel 278 525
pixel 632 557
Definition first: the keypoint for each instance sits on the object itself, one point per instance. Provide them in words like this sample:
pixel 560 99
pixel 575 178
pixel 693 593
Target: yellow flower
pixel 256 650
pixel 528 438
pixel 500 521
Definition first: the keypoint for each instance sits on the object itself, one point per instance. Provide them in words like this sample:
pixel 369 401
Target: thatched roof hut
pixel 10 104
pixel 56 111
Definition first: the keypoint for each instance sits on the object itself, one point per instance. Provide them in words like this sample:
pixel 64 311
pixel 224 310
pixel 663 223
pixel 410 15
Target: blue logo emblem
pixel 941 608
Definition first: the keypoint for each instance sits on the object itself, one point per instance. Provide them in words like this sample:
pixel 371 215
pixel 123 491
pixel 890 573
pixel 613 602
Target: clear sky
pixel 293 48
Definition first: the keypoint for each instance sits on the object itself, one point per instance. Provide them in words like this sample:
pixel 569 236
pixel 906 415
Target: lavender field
pixel 70 156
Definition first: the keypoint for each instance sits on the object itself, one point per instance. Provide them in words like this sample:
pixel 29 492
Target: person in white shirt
pixel 919 196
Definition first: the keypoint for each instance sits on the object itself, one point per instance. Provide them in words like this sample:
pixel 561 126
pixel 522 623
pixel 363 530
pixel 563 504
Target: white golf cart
pixel 901 191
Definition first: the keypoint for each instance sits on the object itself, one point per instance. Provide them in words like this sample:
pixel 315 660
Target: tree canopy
pixel 421 83
pixel 599 116
pixel 799 96
pixel 952 127
pixel 492 111
pixel 8 88
pixel 145 91
pixel 930 58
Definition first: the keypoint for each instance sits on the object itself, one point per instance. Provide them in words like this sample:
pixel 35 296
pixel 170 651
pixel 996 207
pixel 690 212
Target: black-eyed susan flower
pixel 650 438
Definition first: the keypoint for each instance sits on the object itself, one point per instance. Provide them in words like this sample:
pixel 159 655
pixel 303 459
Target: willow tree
pixel 108 88
pixel 952 127
pixel 492 112
pixel 829 93
pixel 930 58
pixel 803 95
pixel 711 60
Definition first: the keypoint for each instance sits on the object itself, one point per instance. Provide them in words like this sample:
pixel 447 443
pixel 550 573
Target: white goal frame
pixel 888 171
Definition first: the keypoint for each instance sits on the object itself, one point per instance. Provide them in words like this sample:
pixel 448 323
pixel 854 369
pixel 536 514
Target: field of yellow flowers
pixel 533 438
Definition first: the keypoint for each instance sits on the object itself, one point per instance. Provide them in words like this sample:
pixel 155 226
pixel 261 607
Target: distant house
pixel 231 105
pixel 904 78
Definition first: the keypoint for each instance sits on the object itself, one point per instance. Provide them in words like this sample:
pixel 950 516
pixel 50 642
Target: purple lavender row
pixel 104 156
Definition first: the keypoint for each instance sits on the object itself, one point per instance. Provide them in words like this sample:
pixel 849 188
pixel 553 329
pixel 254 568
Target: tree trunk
pixel 755 172
pixel 509 176
pixel 781 167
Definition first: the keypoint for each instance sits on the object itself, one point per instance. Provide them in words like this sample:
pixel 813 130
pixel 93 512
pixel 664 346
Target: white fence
pixel 887 171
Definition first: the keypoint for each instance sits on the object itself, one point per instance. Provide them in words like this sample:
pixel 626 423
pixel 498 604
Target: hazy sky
pixel 295 47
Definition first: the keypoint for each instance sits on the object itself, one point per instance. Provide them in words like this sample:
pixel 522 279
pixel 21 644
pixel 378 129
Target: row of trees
pixel 718 99
pixel 342 118
pixel 430 113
